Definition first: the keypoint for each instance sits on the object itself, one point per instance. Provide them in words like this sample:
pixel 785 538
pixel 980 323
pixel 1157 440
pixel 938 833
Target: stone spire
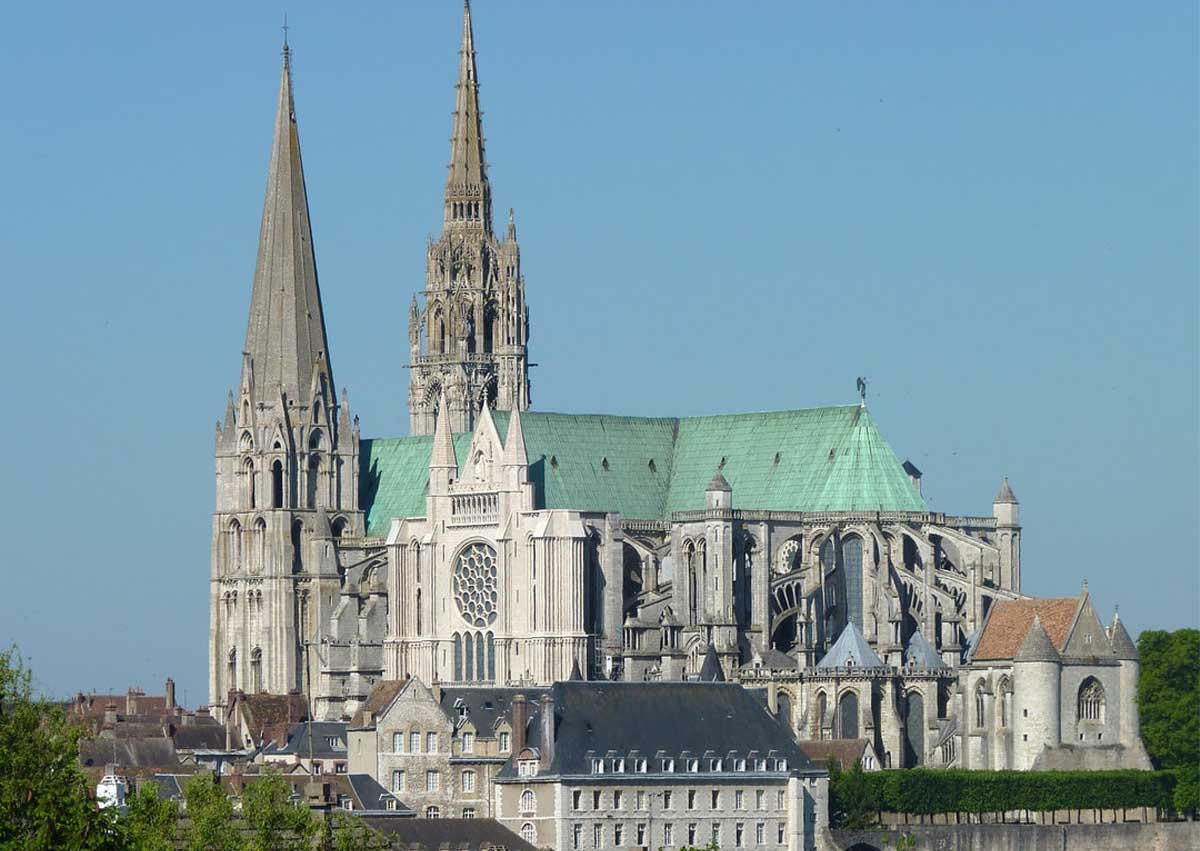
pixel 468 194
pixel 1005 495
pixel 285 340
pixel 1123 646
pixel 443 457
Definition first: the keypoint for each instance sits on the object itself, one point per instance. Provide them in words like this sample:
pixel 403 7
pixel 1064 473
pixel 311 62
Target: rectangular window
pixel 691 833
pixel 716 833
pixel 433 781
pixel 468 812
pixel 576 835
pixel 504 748
pixel 468 781
pixel 468 743
pixel 414 742
pixel 780 832
pixel 576 799
pixel 691 804
pixel 667 799
pixel 760 799
pixel 760 834
pixel 715 765
pixel 693 765
pixel 397 743
pixel 668 834
pixel 641 835
pixel 618 766
pixel 779 799
pixel 668 765
pixel 597 766
pixel 597 835
pixel 618 835
pixel 618 799
pixel 641 801
pixel 317 768
pixel 431 742
pixel 398 780
pixel 339 768
pixel 739 835
pixel 716 799
pixel 642 766
pixel 739 802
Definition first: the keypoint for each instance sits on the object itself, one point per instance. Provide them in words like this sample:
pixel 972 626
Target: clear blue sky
pixel 989 210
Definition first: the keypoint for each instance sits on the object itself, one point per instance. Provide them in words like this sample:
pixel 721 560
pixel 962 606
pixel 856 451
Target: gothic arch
pixel 1090 702
pixel 847 717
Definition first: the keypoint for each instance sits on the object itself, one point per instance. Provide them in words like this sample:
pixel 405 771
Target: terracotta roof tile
pixel 1009 621
pixel 845 752
pixel 384 693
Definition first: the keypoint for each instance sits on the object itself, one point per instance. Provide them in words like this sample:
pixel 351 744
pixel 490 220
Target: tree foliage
pixel 853 802
pixel 150 824
pixel 922 791
pixel 1169 705
pixel 44 802
pixel 276 822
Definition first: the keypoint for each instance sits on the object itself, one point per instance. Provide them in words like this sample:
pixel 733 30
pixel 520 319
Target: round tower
pixel 1126 654
pixel 1037 702
pixel 1007 511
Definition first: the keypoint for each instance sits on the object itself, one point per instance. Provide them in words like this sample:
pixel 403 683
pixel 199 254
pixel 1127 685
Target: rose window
pixel 474 584
pixel 788 558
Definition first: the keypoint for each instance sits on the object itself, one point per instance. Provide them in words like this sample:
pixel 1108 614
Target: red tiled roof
pixel 1009 620
pixel 845 752
pixel 384 692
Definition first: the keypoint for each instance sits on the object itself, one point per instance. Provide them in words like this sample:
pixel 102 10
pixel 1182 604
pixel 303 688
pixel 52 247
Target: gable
pixel 1088 636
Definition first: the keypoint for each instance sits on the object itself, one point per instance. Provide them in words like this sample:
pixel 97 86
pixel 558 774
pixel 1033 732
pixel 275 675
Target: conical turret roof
pixel 851 650
pixel 719 483
pixel 920 653
pixel 1036 646
pixel 1123 646
pixel 1005 496
pixel 711 671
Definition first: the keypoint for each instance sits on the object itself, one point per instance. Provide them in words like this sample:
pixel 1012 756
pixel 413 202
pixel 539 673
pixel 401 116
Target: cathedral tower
pixel 469 337
pixel 286 454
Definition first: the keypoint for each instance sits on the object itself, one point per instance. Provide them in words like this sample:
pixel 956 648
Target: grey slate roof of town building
pixel 851 650
pixel 317 746
pixel 472 834
pixel 654 720
pixel 485 707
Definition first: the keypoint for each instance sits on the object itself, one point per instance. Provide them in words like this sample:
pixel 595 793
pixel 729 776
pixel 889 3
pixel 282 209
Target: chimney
pixel 547 749
pixel 170 696
pixel 131 697
pixel 520 718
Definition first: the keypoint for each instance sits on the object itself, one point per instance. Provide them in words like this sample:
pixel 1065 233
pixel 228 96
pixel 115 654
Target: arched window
pixel 297 545
pixel 420 621
pixel 1091 700
pixel 260 544
pixel 256 678
pixel 397 743
pixel 235 545
pixel 1005 701
pixel 527 804
pixel 277 484
pixel 339 527
pixel 783 710
pixel 433 812
pixel 529 833
pixel 314 480
pixel 848 716
pixel 822 713
pixel 480 662
pixel 689 557
pixel 232 669
pixel 458 658
pixel 491 658
pixel 979 705
pixel 251 491
pixel 316 438
pixel 852 577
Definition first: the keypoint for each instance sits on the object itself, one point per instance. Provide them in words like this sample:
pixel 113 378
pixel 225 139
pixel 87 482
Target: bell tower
pixel 469 329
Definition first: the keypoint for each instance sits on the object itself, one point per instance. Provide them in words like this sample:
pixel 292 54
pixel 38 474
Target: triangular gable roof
pixel 1009 621
pixel 816 459
pixel 921 654
pixel 851 650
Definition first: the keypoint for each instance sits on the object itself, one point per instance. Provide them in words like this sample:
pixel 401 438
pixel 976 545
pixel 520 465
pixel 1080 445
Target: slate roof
pixel 1123 646
pixel 485 706
pixel 156 752
pixel 816 459
pixel 1005 495
pixel 298 741
pixel 851 650
pixel 270 716
pixel 472 834
pixel 382 694
pixel 711 670
pixel 1008 622
pixel 1036 646
pixel 674 719
pixel 199 737
pixel 921 654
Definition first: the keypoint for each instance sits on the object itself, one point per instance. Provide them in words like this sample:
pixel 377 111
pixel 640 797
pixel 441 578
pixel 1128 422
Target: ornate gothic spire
pixel 468 195
pixel 285 340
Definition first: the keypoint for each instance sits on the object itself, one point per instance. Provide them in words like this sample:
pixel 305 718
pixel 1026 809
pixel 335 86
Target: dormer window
pixel 760 765
pixel 781 764
pixel 618 766
pixel 504 743
pixel 641 765
pixel 693 766
pixel 716 765
pixel 739 765
pixel 597 766
pixel 668 765
pixel 527 768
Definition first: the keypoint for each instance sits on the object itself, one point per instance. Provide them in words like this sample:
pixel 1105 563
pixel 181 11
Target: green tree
pixel 1169 704
pixel 44 801
pixel 852 804
pixel 210 823
pixel 277 823
pixel 150 823
pixel 1169 696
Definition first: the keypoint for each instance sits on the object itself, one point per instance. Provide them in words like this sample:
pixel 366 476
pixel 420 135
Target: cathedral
pixel 500 545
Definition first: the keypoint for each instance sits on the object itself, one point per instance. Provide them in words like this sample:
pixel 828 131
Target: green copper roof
pixel 820 459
